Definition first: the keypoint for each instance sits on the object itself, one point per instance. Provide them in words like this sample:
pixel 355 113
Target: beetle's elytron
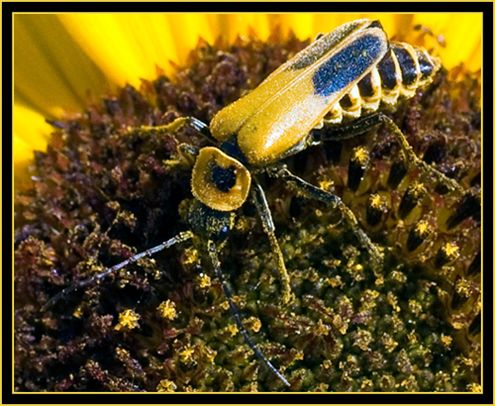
pixel 340 81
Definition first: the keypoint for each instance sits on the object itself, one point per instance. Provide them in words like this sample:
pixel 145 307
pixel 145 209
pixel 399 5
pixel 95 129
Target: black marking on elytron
pixel 322 46
pixel 388 74
pixel 425 66
pixel 223 178
pixel 407 65
pixel 347 65
pixel 365 87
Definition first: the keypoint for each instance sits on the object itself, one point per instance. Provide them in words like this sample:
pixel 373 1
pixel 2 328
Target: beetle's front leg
pixel 187 153
pixel 313 192
pixel 375 120
pixel 171 128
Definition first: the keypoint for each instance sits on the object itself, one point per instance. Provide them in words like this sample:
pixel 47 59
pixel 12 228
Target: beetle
pixel 340 81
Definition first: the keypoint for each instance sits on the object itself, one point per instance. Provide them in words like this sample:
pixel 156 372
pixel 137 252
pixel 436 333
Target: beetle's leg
pixel 182 236
pixel 212 251
pixel 311 191
pixel 197 125
pixel 269 228
pixel 375 120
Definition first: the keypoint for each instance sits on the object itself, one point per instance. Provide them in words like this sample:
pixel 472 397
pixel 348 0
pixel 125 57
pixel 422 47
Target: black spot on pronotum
pixel 223 178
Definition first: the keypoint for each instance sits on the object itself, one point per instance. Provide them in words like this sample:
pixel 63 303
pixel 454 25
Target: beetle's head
pixel 219 181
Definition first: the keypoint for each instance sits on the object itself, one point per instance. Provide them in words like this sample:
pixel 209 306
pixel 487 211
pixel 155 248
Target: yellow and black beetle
pixel 339 81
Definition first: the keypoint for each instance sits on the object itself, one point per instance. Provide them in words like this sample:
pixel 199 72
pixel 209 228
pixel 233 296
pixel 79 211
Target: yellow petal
pixel 301 24
pixel 31 132
pixel 126 47
pixel 51 72
pixel 230 26
pixel 462 33
pixel 186 30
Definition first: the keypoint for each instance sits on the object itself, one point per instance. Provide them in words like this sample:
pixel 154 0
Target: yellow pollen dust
pixel 474 387
pixel 167 310
pixel 224 305
pixel 375 201
pixel 326 184
pixel 232 329
pixel 186 355
pixel 450 250
pixel 204 281
pixel 417 189
pixel 463 287
pixel 446 340
pixel 166 386
pixel 253 323
pixel 192 256
pixel 128 319
pixel 361 155
pixel 422 228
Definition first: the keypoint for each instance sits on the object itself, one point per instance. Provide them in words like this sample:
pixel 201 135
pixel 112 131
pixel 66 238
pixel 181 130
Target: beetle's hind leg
pixel 311 191
pixel 375 120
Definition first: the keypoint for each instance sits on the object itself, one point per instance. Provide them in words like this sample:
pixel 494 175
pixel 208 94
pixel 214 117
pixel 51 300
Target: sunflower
pixel 68 64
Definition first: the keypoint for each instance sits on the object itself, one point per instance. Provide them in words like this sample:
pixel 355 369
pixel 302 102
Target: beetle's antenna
pixel 212 251
pixel 182 236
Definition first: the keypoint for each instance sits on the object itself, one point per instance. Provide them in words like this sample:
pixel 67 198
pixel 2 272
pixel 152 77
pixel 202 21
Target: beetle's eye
pixel 219 181
pixel 223 178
